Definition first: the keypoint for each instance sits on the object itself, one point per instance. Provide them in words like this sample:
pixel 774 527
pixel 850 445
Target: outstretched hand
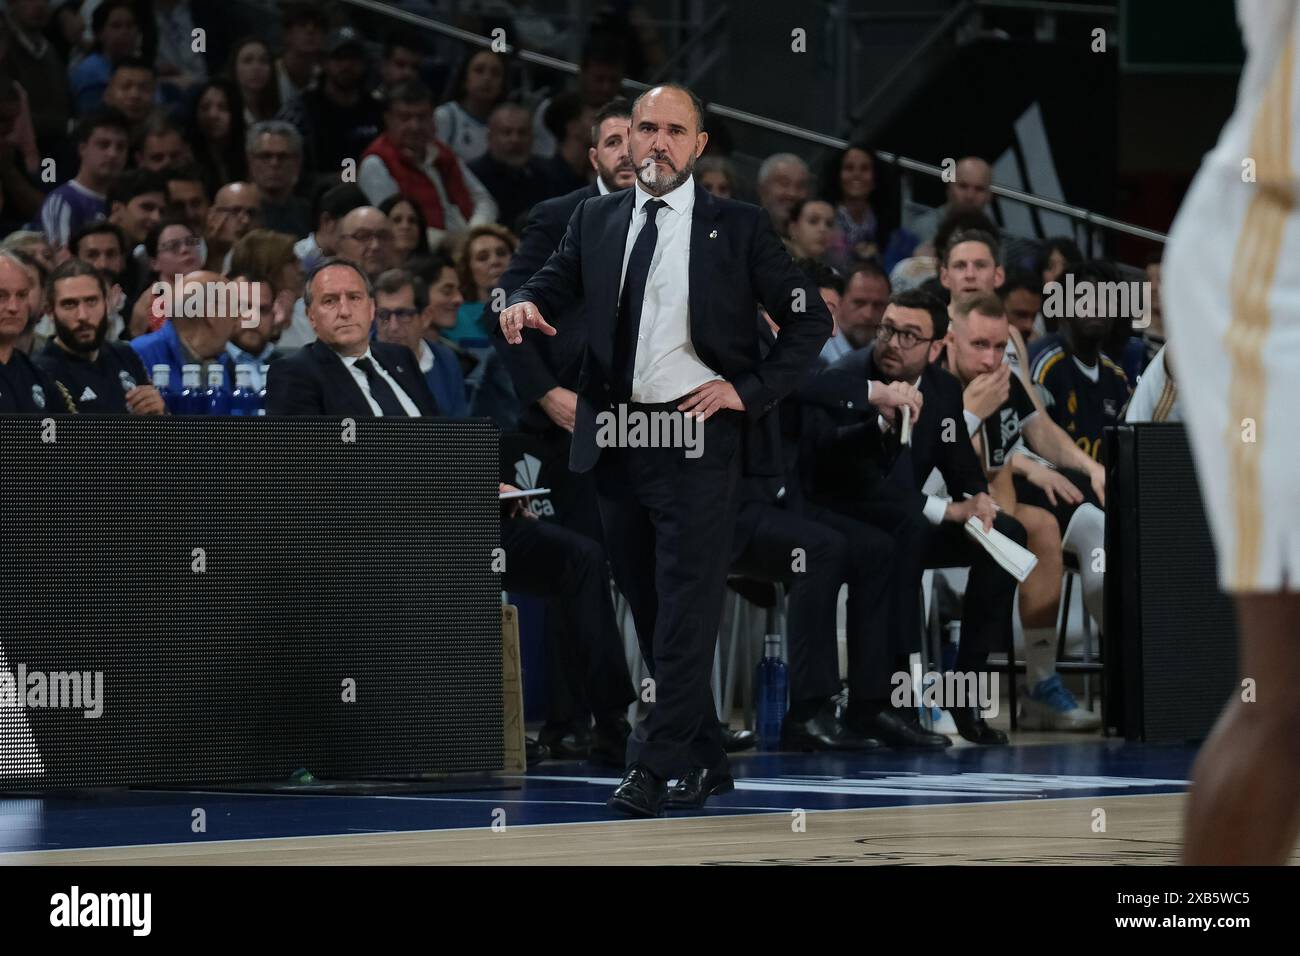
pixel 522 315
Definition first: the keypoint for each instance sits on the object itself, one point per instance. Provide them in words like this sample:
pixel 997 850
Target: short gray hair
pixel 273 128
pixel 329 263
pixel 778 159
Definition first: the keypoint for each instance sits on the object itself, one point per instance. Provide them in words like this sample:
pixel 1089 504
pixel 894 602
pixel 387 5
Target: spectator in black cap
pixel 337 119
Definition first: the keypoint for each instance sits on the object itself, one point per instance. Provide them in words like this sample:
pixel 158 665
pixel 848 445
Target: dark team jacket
pixel 99 386
pixel 25 387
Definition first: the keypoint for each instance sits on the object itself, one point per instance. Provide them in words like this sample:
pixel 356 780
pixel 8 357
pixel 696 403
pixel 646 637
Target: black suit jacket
pixel 542 362
pixel 736 263
pixel 851 458
pixel 314 381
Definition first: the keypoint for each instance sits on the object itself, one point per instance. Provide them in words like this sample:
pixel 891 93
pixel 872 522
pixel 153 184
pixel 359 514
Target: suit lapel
pixel 703 220
pixel 611 242
pixel 339 380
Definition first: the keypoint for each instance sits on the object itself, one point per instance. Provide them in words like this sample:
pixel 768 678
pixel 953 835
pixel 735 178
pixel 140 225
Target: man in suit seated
pixel 401 299
pixel 345 373
pixel 862 469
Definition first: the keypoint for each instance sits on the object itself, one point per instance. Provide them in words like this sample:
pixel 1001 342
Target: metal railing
pixel 904 163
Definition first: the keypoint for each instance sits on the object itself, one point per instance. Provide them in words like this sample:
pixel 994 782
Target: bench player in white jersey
pixel 1232 301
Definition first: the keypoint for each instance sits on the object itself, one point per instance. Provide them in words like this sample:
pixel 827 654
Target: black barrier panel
pixel 1170 631
pixel 256 595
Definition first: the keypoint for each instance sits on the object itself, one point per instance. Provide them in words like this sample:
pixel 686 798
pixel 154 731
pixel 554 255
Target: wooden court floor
pixel 1139 830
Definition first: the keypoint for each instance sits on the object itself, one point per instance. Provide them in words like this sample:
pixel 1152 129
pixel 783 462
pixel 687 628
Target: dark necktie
pixel 632 298
pixel 380 390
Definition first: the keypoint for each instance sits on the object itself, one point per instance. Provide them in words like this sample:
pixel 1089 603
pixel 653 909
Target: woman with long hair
pixel 216 133
pixel 410 231
pixel 251 68
pixel 862 217
pixel 478 86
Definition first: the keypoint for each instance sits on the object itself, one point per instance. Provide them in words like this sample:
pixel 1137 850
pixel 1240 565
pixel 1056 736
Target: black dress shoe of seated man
pixel 700 783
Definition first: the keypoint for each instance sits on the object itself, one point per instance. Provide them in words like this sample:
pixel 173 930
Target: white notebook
pixel 1015 560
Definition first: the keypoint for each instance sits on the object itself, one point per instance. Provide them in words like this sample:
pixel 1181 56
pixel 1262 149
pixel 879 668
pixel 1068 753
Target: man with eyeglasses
pixel 366 237
pixel 400 303
pixel 235 212
pixel 274 151
pixel 864 470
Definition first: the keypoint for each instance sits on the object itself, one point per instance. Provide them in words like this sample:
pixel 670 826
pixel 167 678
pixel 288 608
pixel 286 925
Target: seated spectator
pixel 809 232
pixel 132 89
pixel 913 273
pixel 216 133
pixel 236 211
pixel 477 89
pixel 401 318
pixel 717 176
pixel 480 265
pixel 33 243
pixel 117 36
pixel 1057 253
pixel 569 121
pixel 188 197
pixel 24 387
pixel 102 150
pixel 102 245
pixel 1148 329
pixel 969 191
pixel 332 204
pixel 180 66
pixel 399 64
pixel 831 288
pixel 336 117
pixel 366 238
pixel 271 254
pixel 303 29
pixel 601 68
pixel 192 339
pixel 251 342
pixel 1022 294
pixel 29 342
pixel 172 247
pixel 408 159
pixel 866 294
pixel 344 372
pixel 101 375
pixel 410 232
pixel 136 201
pixel 849 186
pixel 250 70
pixel 516 179
pixel 159 144
pixel 34 63
pixel 274 165
pixel 783 180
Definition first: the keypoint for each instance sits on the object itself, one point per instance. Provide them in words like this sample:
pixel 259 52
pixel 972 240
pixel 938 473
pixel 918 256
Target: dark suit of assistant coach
pixel 670 279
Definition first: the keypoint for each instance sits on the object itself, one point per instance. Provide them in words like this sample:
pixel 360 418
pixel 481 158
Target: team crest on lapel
pixel 38 396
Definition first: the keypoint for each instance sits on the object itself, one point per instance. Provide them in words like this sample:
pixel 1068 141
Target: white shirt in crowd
pixel 360 377
pixel 666 365
pixel 378 184
pixel 462 131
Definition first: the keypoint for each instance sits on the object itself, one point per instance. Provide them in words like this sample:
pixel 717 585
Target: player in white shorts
pixel 1232 301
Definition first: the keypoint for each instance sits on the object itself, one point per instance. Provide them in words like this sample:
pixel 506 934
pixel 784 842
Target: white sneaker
pixel 1050 706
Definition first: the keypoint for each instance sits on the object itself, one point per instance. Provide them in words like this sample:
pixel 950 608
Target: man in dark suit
pixel 862 469
pixel 670 278
pixel 544 371
pixel 344 372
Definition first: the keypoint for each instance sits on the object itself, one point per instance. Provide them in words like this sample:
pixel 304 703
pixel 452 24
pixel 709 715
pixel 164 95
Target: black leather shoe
pixel 535 751
pixel 737 741
pixel 824 731
pixel 975 728
pixel 697 786
pixel 609 743
pixel 899 729
pixel 566 741
pixel 640 794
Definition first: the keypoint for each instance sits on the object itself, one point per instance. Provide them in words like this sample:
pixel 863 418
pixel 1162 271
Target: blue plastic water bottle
pixel 162 380
pixel 243 400
pixel 771 692
pixel 190 400
pixel 261 394
pixel 217 395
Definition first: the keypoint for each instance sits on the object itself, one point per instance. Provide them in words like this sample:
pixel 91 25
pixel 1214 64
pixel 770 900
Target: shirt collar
pixel 425 356
pixel 351 360
pixel 602 189
pixel 680 200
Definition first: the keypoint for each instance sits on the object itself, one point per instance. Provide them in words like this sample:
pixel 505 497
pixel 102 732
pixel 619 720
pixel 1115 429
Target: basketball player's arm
pixel 1051 441
pixel 551 290
pixel 780 287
